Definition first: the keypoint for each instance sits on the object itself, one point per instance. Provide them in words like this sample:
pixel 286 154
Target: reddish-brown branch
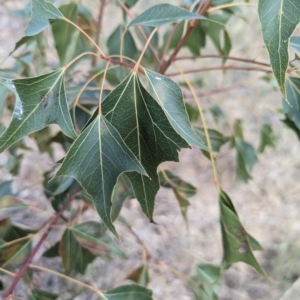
pixel 250 61
pixel 222 68
pixel 98 28
pixel 203 7
pixel 38 245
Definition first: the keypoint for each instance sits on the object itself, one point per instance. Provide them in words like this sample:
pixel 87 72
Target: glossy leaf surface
pixel 169 96
pixel 279 19
pixel 146 131
pixel 96 159
pixel 162 14
pixel 40 101
pixel 41 13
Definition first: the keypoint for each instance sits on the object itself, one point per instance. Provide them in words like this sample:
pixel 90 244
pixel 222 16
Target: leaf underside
pixel 279 19
pixel 42 12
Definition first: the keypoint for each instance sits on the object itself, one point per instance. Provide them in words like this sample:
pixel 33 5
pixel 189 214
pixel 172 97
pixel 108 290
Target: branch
pixel 98 28
pixel 250 61
pixel 39 244
pixel 203 7
pixel 223 68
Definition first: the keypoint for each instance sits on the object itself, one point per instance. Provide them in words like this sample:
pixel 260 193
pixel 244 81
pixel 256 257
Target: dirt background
pixel 268 205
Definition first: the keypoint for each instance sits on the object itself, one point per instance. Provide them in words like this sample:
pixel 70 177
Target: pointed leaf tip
pixel 40 101
pixel 96 159
pixel 42 12
pixel 279 19
pixel 162 14
pixel 169 96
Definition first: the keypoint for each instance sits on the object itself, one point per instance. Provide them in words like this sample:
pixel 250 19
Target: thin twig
pixel 95 290
pixel 141 30
pixel 203 7
pixel 98 29
pixel 38 245
pixel 222 68
pixel 250 61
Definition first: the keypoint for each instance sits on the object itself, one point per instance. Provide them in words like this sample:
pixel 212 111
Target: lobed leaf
pixel 162 14
pixel 42 12
pixel 96 159
pixel 146 130
pixel 40 101
pixel 279 19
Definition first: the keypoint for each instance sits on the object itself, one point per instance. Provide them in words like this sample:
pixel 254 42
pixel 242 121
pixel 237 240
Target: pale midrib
pixel 32 112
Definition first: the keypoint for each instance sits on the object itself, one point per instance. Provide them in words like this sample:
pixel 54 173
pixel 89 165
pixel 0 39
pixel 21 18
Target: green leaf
pixel 146 131
pixel 236 241
pixel 246 159
pixel 169 96
pixel 24 40
pixel 40 101
pixel 292 107
pixel 63 32
pixel 279 19
pixel 193 112
pixel 9 206
pixel 114 43
pixel 217 139
pixel 5 188
pixel 140 275
pixel 295 42
pixel 74 256
pixel 13 255
pixel 217 33
pixel 42 12
pixel 266 138
pixel 38 294
pixel 289 123
pixel 161 14
pixel 52 251
pixel 3 95
pixel 218 115
pixel 96 159
pixel 182 189
pixel 92 236
pixel 129 292
pixel 205 285
pixel 122 191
